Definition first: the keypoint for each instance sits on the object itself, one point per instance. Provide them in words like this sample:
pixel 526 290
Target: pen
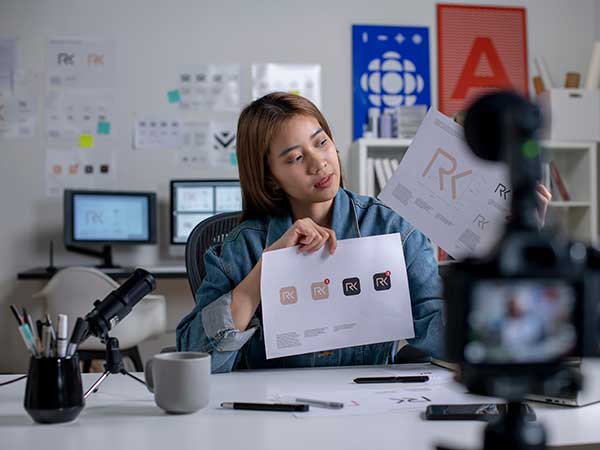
pixel 47 341
pixel 28 338
pixel 36 340
pixel 61 342
pixel 293 407
pixel 49 323
pixel 17 314
pixel 320 403
pixel 402 379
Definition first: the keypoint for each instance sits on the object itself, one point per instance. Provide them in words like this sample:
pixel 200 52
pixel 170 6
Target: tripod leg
pixel 94 387
pixel 124 372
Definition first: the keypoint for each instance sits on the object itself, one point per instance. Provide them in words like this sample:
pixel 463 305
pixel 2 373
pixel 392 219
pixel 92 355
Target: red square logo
pixel 480 49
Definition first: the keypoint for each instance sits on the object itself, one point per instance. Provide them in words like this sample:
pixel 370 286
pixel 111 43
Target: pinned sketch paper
pixel 17 116
pixel 8 63
pixel 319 301
pixel 78 169
pixel 459 201
pixel 81 63
pixel 301 79
pixel 223 144
pixel 70 114
pixel 195 143
pixel 157 133
pixel 209 87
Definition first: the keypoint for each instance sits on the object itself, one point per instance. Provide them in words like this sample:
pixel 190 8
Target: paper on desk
pixel 385 399
pixel 320 302
pixel 458 200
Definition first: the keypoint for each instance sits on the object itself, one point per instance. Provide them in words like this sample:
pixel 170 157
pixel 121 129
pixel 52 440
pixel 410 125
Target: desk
pixel 123 416
pixel 40 273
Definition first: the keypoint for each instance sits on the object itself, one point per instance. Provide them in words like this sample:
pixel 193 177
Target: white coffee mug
pixel 180 381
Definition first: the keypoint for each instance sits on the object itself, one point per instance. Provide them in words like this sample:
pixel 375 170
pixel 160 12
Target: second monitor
pixel 192 201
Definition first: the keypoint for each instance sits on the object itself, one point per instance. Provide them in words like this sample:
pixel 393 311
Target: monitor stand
pixel 105 255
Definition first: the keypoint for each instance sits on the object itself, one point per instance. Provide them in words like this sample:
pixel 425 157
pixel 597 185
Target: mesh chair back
pixel 211 231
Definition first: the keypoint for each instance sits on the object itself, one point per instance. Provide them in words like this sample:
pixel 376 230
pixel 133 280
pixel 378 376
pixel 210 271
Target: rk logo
pixel 446 171
pixel 481 221
pixel 382 281
pixel 502 190
pixel 288 295
pixel 67 59
pixel 351 286
pixel 319 290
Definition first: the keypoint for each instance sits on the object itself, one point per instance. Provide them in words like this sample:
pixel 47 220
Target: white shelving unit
pixel 578 167
pixel 576 162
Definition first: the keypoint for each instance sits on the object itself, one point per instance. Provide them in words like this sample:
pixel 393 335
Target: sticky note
pixel 103 128
pixel 295 91
pixel 233 159
pixel 174 96
pixel 86 140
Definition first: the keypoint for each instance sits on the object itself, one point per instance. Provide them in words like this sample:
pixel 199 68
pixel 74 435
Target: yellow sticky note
pixel 86 140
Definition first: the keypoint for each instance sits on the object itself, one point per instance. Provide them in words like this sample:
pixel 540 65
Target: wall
pixel 154 39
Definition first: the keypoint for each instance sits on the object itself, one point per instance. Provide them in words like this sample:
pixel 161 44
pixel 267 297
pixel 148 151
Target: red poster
pixel 480 48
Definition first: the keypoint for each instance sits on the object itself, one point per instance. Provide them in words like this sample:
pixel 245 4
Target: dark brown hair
pixel 258 124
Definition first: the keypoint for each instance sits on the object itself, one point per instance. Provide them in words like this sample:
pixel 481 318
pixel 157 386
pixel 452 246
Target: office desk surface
pixel 40 273
pixel 122 415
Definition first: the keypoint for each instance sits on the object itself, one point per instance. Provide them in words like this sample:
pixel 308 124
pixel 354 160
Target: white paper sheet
pixel 195 143
pixel 157 133
pixel 69 114
pixel 17 116
pixel 8 63
pixel 81 63
pixel 78 168
pixel 320 302
pixel 458 200
pixel 362 400
pixel 214 87
pixel 301 79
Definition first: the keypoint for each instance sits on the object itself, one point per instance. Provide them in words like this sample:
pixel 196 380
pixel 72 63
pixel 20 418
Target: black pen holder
pixel 54 392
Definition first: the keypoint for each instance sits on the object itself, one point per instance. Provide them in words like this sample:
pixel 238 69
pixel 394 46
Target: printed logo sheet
pixel 317 302
pixel 458 200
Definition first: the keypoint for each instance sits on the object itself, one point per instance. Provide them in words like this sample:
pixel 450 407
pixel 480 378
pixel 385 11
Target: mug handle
pixel 148 375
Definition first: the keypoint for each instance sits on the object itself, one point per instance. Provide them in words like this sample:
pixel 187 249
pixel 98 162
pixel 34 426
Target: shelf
pixel 569 204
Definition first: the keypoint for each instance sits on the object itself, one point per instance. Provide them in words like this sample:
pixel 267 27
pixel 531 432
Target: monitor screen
pixel 192 201
pixel 109 217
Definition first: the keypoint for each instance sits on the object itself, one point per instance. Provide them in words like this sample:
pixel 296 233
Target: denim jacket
pixel 209 327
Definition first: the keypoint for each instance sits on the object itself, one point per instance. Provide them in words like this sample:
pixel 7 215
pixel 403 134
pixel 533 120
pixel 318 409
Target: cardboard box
pixel 571 114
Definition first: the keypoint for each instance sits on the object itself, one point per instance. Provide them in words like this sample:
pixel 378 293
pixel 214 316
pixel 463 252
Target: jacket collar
pixel 343 222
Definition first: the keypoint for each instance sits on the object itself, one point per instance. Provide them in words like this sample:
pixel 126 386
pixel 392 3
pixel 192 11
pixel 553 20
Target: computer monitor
pixel 192 201
pixel 108 218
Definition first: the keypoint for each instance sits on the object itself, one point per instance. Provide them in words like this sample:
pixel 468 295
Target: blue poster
pixel 390 68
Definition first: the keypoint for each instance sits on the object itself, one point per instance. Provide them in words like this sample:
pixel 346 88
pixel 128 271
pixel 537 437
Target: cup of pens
pixel 54 392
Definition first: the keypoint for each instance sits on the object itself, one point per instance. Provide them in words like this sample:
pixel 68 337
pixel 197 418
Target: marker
pixel 289 407
pixel 33 329
pixel 320 403
pixel 28 338
pixel 49 323
pixel 47 341
pixel 404 379
pixel 61 342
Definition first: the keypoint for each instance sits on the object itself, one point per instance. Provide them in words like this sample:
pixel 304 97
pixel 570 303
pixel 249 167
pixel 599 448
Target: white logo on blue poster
pixel 390 69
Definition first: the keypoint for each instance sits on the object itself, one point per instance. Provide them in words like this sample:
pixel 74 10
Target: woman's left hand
pixel 544 196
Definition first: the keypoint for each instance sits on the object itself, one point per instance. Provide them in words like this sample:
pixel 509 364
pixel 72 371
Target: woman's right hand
pixel 308 235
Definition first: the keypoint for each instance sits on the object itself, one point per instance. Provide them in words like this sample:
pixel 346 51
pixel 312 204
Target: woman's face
pixel 304 161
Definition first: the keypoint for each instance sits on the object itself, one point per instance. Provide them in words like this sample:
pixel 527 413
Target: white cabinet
pixel 577 165
pixel 576 162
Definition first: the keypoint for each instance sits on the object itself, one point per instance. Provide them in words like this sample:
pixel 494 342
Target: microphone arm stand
pixel 113 364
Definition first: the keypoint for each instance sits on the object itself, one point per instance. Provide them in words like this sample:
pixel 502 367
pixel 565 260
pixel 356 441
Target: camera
pixel 515 316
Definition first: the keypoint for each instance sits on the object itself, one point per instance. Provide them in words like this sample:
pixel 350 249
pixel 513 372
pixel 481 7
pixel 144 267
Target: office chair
pixel 211 231
pixel 73 290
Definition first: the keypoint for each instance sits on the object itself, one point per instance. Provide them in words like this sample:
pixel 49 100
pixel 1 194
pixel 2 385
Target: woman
pixel 293 196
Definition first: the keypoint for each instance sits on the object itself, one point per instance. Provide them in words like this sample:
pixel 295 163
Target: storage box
pixel 571 114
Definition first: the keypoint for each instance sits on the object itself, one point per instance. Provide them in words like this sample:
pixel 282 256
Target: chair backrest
pixel 211 231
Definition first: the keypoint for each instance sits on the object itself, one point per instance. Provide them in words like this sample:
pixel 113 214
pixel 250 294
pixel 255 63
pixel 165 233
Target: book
pixel 558 181
pixel 370 188
pixel 379 173
pixel 387 168
pixel 395 164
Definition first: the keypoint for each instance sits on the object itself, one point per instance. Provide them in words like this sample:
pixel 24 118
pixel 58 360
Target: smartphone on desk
pixel 477 411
